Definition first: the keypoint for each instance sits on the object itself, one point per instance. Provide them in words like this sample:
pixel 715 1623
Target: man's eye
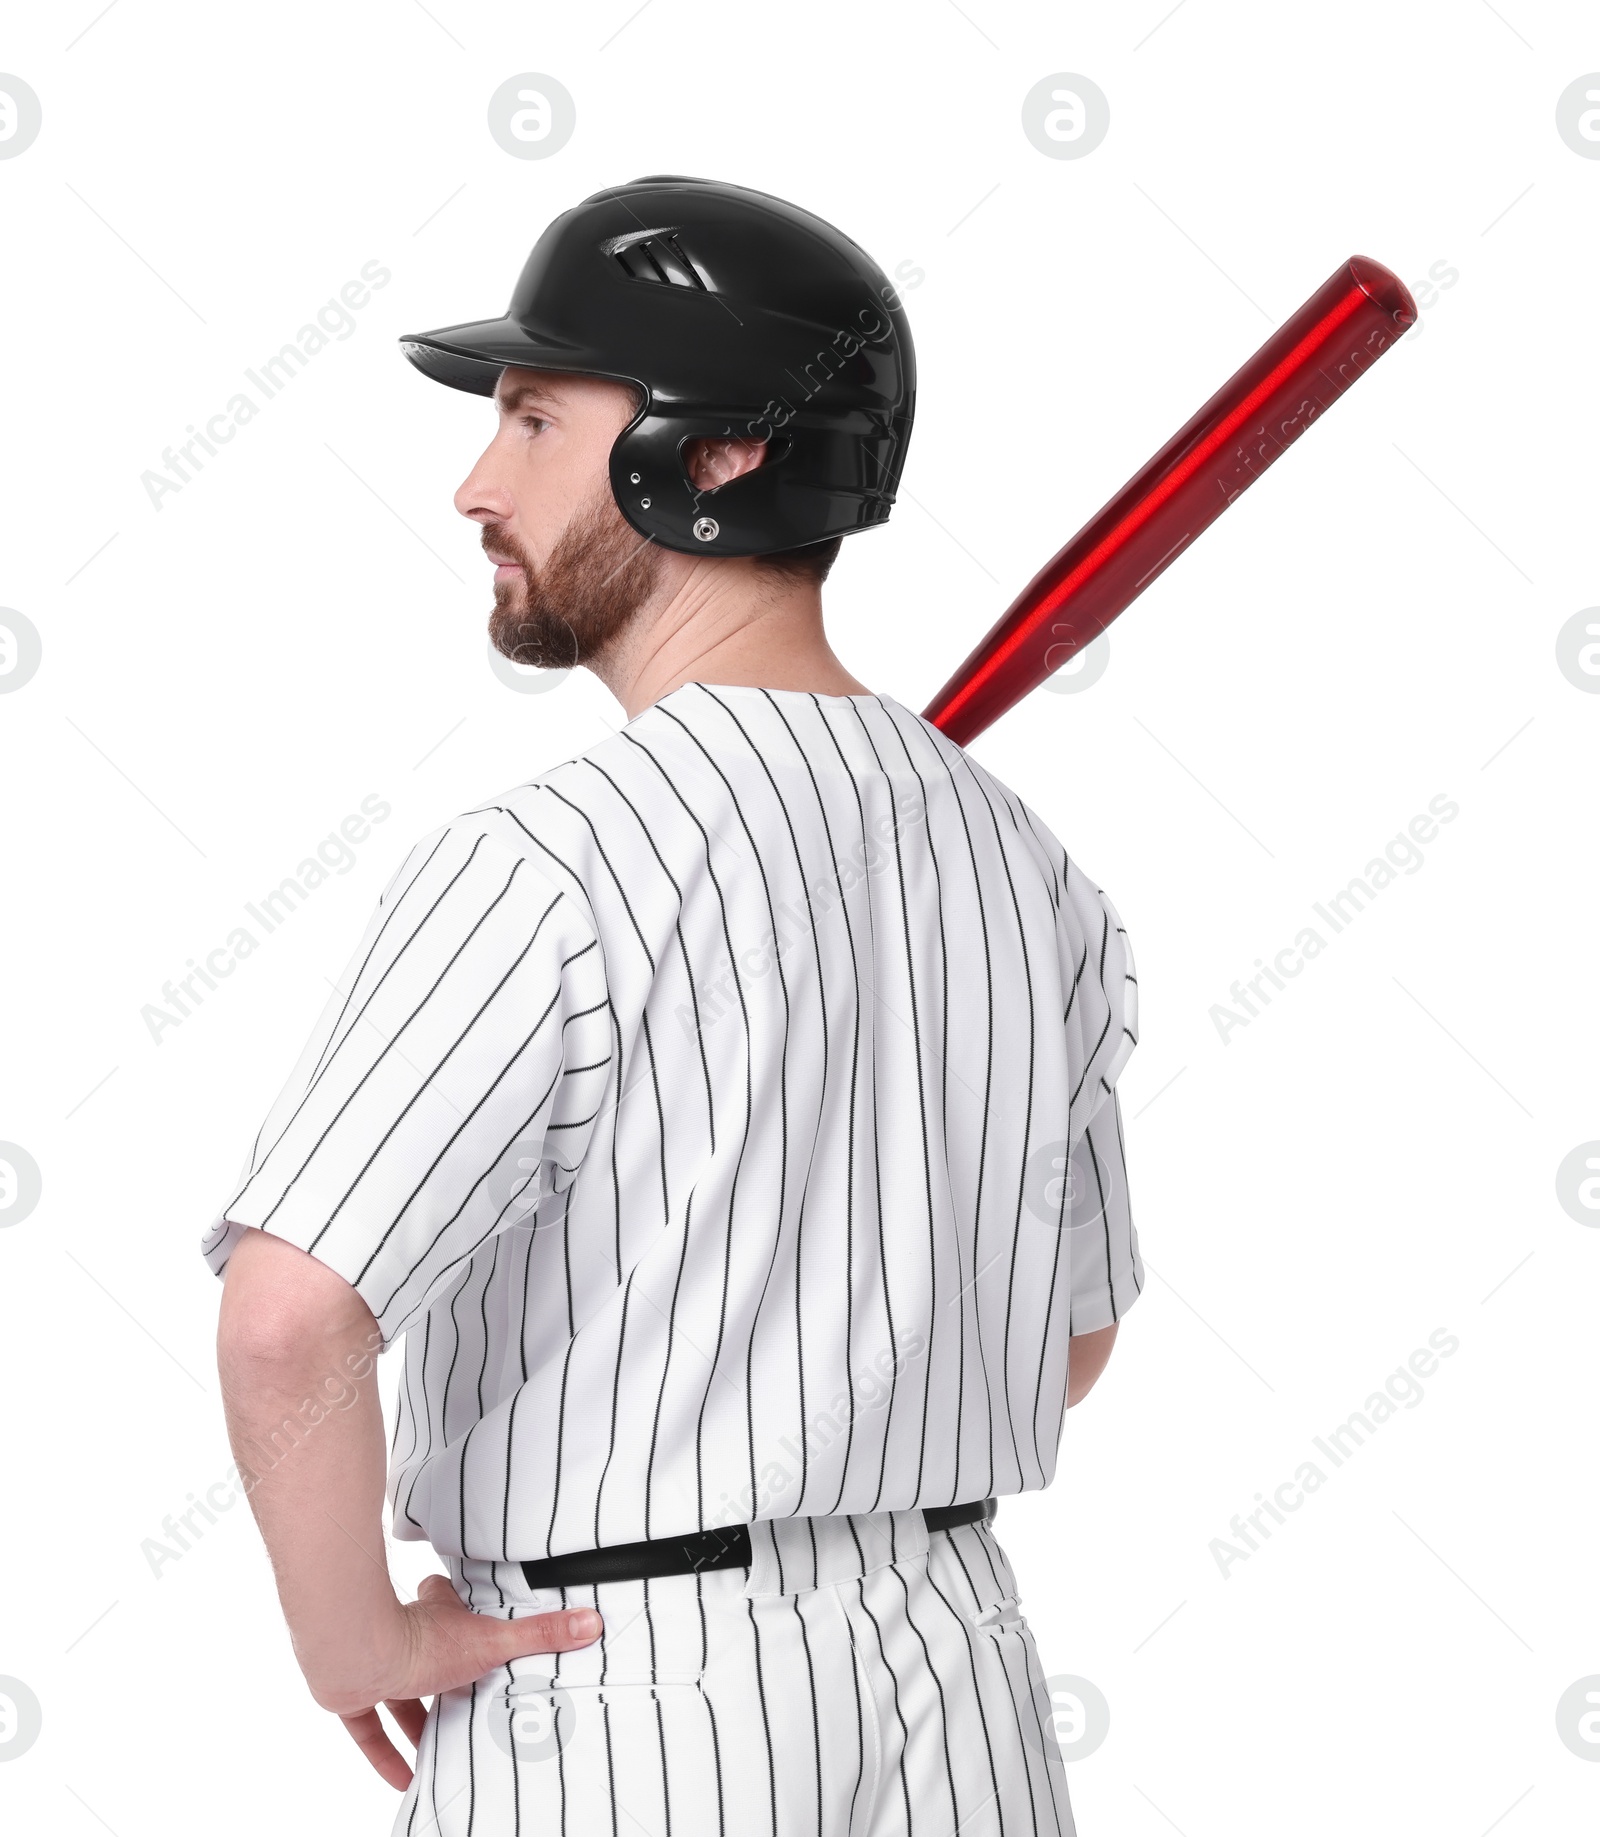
pixel 534 421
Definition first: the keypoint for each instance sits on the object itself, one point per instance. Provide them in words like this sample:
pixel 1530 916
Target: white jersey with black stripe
pixel 727 1119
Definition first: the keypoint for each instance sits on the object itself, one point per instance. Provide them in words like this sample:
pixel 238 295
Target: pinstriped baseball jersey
pixel 727 1119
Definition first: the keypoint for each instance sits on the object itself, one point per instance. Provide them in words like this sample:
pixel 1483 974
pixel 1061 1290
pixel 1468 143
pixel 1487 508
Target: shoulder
pixel 939 754
pixel 1012 815
pixel 541 830
pixel 1088 918
pixel 1087 913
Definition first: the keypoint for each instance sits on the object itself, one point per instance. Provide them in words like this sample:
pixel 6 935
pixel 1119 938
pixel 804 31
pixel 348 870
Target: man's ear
pixel 712 462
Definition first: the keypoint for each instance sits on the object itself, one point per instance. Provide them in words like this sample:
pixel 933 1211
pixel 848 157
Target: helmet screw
pixel 633 478
pixel 705 528
pixel 644 503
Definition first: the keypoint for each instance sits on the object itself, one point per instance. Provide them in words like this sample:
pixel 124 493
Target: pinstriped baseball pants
pixel 862 1678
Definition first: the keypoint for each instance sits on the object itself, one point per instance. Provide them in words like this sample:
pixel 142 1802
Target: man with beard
pixel 581 600
pixel 725 1119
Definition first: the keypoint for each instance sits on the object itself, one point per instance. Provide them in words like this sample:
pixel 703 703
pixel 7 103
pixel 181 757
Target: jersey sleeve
pixel 1102 1020
pixel 1103 1245
pixel 450 1085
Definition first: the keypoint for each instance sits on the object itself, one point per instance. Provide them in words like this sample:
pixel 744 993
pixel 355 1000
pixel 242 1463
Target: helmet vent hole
pixel 658 257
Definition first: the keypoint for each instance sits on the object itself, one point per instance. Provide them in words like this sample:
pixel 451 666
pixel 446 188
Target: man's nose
pixel 481 497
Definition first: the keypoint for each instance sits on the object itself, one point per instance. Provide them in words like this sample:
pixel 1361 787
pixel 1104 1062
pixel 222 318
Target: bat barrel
pixel 1264 407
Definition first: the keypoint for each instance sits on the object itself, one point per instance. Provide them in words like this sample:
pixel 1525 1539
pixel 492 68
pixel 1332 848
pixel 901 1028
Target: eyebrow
pixel 524 392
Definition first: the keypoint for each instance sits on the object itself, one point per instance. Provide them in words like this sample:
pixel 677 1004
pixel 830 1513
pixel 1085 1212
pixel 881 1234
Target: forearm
pixel 296 1351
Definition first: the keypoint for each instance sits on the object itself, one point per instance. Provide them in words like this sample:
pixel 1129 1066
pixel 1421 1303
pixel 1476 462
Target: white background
pixel 1372 1158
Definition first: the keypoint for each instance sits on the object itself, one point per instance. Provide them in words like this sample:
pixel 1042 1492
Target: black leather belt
pixel 727 1547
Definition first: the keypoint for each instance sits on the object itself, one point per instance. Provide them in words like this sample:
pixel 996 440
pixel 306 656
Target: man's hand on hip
pixel 437 1644
pixel 296 1348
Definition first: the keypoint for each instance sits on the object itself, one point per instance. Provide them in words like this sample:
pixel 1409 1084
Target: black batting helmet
pixel 735 313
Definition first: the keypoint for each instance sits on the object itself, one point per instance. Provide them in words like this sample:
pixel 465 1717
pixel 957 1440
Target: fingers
pixel 562 1631
pixel 367 1732
pixel 453 1646
pixel 410 1714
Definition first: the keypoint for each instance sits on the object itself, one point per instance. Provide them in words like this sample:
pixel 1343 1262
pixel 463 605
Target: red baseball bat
pixel 1299 373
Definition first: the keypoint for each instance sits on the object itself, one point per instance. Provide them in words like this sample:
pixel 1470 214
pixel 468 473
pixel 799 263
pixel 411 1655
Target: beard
pixel 587 593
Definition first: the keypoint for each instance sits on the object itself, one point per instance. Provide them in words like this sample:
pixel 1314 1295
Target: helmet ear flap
pixel 653 490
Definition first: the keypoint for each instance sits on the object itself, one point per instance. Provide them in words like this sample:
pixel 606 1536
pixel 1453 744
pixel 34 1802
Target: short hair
pixel 798 566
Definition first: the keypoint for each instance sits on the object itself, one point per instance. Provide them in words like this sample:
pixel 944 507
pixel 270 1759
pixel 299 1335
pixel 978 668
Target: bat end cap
pixel 1385 287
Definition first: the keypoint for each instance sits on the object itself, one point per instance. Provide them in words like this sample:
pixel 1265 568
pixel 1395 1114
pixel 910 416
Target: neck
pixel 724 624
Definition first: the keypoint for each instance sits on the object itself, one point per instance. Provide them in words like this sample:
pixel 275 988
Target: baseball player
pixel 724 1120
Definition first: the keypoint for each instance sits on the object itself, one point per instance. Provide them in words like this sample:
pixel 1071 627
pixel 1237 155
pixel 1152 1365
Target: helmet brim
pixel 471 356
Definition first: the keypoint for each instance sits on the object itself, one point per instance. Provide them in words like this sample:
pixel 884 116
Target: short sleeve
pixel 1107 1271
pixel 450 1086
pixel 1100 998
pixel 1102 1020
